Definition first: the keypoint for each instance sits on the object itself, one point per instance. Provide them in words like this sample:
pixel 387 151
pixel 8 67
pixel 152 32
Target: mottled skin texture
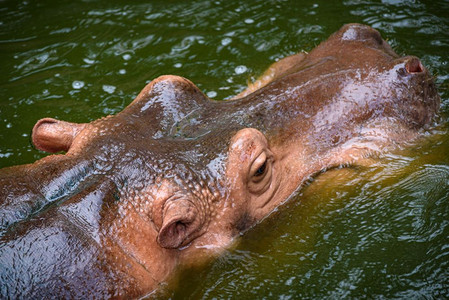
pixel 175 176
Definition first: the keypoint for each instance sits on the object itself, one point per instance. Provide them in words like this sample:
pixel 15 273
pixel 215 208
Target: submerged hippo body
pixel 175 175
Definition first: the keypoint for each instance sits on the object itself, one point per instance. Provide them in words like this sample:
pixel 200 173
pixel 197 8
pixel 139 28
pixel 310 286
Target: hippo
pixel 175 177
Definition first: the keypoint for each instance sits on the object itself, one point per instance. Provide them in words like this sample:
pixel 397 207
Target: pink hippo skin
pixel 175 176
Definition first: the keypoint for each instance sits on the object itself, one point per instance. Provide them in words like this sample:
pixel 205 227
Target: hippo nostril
pixel 414 66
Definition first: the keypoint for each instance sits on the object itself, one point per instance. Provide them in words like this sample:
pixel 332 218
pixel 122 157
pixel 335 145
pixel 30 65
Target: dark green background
pixel 379 232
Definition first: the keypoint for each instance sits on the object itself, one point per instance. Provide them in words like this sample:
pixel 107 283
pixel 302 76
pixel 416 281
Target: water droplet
pixel 226 41
pixel 177 65
pixel 212 94
pixel 77 84
pixel 9 125
pixel 126 56
pixel 249 21
pixel 109 88
pixel 122 71
pixel 241 69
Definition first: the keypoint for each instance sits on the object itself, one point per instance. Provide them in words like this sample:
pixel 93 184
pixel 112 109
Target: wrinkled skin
pixel 175 175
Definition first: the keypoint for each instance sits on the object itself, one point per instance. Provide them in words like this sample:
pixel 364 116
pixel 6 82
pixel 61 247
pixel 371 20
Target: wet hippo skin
pixel 175 176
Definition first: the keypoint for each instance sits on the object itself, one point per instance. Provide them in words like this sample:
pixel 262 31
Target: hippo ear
pixel 52 135
pixel 181 224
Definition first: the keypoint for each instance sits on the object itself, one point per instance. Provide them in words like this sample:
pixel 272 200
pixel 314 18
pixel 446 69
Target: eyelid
pixel 257 163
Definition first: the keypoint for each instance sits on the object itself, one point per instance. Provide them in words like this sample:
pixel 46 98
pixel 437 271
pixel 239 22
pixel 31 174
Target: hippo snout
pixel 415 98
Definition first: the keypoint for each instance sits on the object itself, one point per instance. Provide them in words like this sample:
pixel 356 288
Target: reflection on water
pixel 380 230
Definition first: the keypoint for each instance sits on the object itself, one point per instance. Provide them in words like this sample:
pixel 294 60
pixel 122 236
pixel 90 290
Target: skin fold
pixel 176 176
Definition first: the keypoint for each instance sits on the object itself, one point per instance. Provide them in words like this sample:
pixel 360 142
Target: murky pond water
pixel 377 232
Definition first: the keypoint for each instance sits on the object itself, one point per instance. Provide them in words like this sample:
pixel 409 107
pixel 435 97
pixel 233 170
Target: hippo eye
pixel 261 167
pixel 261 170
pixel 261 173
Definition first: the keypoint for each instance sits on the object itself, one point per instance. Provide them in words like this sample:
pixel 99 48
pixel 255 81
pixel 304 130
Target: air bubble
pixel 240 69
pixel 77 84
pixel 109 88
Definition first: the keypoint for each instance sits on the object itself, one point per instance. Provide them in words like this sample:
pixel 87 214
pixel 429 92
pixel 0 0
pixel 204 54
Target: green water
pixel 375 232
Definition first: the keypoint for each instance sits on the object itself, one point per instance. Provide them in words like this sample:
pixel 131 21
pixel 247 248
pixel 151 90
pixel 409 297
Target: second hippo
pixel 176 176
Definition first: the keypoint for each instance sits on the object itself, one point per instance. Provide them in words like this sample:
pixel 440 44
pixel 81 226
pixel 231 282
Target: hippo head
pixel 195 168
pixel 176 171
